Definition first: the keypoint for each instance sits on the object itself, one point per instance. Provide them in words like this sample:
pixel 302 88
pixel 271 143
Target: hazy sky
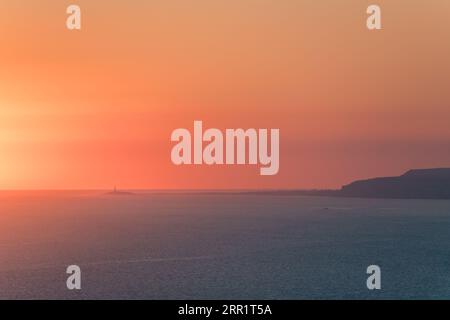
pixel 95 108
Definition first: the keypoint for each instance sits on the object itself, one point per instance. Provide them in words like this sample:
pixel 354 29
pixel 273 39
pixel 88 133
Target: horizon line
pixel 170 189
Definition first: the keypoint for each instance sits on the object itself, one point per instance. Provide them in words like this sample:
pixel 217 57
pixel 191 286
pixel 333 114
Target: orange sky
pixel 95 108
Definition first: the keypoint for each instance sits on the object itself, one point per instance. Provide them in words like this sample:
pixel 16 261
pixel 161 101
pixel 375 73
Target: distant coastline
pixel 414 184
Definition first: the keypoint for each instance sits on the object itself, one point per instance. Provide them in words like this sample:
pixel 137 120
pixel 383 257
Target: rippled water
pixel 206 246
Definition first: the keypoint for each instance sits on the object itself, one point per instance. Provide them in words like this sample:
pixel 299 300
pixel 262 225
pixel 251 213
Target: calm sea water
pixel 177 246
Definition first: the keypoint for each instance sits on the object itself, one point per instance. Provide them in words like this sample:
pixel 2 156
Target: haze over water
pixel 203 246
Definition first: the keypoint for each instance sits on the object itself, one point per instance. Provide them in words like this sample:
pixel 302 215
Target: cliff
pixel 421 183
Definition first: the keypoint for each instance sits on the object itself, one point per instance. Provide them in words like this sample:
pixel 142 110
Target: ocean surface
pixel 221 246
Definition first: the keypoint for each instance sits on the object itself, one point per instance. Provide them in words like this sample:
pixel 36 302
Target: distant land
pixel 420 183
pixel 116 192
pixel 414 184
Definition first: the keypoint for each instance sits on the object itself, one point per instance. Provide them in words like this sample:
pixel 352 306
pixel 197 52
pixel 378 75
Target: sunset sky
pixel 95 108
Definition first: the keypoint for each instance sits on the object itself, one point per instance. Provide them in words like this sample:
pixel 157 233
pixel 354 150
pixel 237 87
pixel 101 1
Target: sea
pixel 208 245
